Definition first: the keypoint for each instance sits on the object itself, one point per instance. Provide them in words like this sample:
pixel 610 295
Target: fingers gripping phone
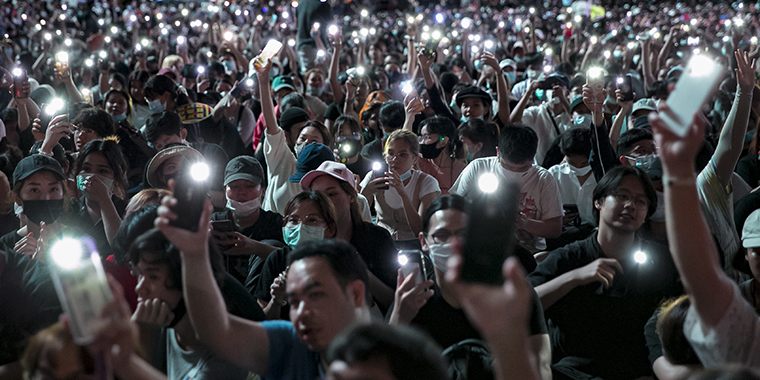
pixel 378 171
pixel 625 86
pixel 191 191
pixel 409 260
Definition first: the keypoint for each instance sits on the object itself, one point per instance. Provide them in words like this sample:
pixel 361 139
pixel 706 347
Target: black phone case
pixel 191 195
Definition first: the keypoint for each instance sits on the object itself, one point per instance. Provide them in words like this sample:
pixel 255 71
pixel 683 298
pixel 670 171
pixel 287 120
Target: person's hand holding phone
pixel 425 62
pixel 745 71
pixel 59 128
pixel 489 60
pixel 277 289
pixel 409 298
pixel 570 217
pixel 394 181
pixel 190 243
pixel 262 71
pixel 594 100
pixel 153 312
pixel 601 270
pixel 240 244
pixel 412 106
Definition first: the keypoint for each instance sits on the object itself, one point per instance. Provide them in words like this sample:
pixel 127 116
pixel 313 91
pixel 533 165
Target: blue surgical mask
pixel 470 157
pixel 301 233
pixel 512 76
pixel 156 106
pixel 406 175
pixel 583 121
pixel 314 91
pixel 119 118
pixel 642 162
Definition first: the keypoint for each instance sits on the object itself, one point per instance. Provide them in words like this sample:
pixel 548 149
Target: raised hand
pixel 600 270
pixel 676 153
pixel 745 71
pixel 409 298
pixel 153 312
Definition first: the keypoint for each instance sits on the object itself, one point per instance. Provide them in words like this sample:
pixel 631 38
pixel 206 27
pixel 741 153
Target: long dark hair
pixel 111 150
pixel 444 127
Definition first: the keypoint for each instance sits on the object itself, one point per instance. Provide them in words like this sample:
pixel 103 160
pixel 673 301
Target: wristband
pixel 45 153
pixel 678 181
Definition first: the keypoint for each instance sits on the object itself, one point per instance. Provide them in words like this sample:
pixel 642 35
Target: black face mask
pixel 179 312
pixel 46 210
pixel 430 151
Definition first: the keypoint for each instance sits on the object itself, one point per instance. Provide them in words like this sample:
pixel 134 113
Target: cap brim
pixel 314 174
pixel 58 174
pixel 280 87
pixel 245 176
pixel 186 152
pixel 296 178
pixel 751 242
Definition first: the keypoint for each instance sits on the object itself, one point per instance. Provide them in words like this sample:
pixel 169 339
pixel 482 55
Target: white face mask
pixel 659 214
pixel 440 254
pixel 107 181
pixel 580 172
pixel 517 177
pixel 583 121
pixel 244 208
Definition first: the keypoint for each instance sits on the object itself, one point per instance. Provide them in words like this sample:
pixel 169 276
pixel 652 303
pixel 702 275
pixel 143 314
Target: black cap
pixel 293 116
pixel 243 167
pixel 310 158
pixel 577 100
pixel 35 163
pixel 473 92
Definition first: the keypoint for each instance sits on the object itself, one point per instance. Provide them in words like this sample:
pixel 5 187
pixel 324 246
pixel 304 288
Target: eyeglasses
pixel 624 198
pixel 444 236
pixel 309 220
pixel 427 139
pixel 402 155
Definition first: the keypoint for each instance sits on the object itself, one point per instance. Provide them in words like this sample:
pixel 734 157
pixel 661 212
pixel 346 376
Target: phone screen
pixel 697 83
pixel 379 169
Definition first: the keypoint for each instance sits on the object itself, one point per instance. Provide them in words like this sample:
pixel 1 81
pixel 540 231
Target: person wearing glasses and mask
pixel 410 191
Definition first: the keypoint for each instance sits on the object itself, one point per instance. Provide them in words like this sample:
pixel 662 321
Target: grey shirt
pixel 198 364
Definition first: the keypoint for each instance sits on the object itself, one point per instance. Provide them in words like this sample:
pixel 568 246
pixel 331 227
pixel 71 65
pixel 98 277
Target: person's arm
pixel 602 270
pixel 337 43
pixel 646 63
pixel 267 106
pixel 689 238
pixel 731 139
pixel 71 89
pixel 517 113
pixel 502 89
pixel 221 106
pixel 409 298
pixel 617 125
pixel 103 83
pixel 665 370
pixel 350 96
pixel 541 347
pixel 666 45
pixel 226 335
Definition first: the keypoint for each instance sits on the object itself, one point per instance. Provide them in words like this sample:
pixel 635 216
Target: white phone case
pixel 698 81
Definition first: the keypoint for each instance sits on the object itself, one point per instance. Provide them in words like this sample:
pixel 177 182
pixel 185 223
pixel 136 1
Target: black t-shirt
pixel 78 219
pixel 136 151
pixel 309 12
pixel 275 264
pixel 9 222
pixel 267 227
pixel 448 325
pixel 361 167
pixel 28 303
pixel 748 168
pixel 600 331
pixel 374 150
pixel 9 240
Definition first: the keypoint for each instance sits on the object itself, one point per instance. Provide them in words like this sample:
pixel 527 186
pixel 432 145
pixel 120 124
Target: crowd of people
pixel 344 144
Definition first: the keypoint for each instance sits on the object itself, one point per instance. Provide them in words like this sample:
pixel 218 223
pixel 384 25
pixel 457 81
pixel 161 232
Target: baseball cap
pixel 331 168
pixel 641 122
pixel 293 116
pixel 35 163
pixel 577 100
pixel 751 230
pixel 185 151
pixel 282 82
pixel 508 63
pixel 243 167
pixel 644 104
pixel 473 92
pixel 310 158
pixel 194 112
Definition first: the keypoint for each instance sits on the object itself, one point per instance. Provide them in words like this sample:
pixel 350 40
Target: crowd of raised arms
pixel 240 189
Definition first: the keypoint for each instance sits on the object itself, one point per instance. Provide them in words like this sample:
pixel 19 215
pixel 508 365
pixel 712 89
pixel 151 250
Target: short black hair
pixel 658 89
pixel 576 141
pixel 518 143
pixel 479 131
pixel 610 182
pixel 134 225
pixel 631 137
pixel 9 115
pixel 154 248
pixel 345 262
pixel 96 119
pixel 157 85
pixel 446 202
pixel 294 99
pixel 392 114
pixel 408 354
pixel 162 123
pixel 448 80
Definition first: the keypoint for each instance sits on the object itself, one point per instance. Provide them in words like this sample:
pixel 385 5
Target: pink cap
pixel 335 169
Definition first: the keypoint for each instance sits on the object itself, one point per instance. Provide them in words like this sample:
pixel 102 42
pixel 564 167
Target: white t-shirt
pixel 539 194
pixel 281 164
pixel 539 119
pixel 393 217
pixel 198 364
pixel 572 192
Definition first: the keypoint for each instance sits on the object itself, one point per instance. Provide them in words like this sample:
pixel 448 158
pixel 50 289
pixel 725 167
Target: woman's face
pixel 116 104
pixel 315 80
pixel 310 135
pixel 136 91
pixel 346 132
pixel 242 190
pixel 330 186
pixel 430 138
pixel 113 84
pixel 43 185
pixel 83 135
pixel 96 163
pixel 373 122
pixel 307 213
pixel 471 146
pixel 399 157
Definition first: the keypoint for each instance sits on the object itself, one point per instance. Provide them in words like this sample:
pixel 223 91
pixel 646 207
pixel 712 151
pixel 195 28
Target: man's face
pixel 445 227
pixel 316 80
pixel 473 108
pixel 515 167
pixel 152 282
pixel 373 369
pixel 626 208
pixel 242 190
pixel 577 160
pixel 320 308
pixel 640 149
pixel 165 140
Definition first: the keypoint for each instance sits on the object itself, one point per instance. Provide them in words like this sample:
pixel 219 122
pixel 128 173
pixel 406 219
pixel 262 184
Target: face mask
pixel 45 210
pixel 611 100
pixel 465 119
pixel 314 91
pixel 244 208
pixel 431 150
pixel 582 121
pixel 440 254
pixel 453 105
pixel 119 118
pixel 531 74
pixel 299 147
pixel 512 76
pixel 83 176
pixel 517 177
pixel 470 157
pixel 229 67
pixel 406 175
pixel 659 214
pixel 580 172
pixel 295 235
pixel 643 162
pixel 156 106
pixel 17 209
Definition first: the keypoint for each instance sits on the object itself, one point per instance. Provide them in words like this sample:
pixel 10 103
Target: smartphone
pixel 270 50
pixel 697 83
pixel 625 85
pixel 490 234
pixel 595 79
pixel 430 48
pixel 62 64
pixel 81 285
pixel 549 83
pixel 19 78
pixel 222 226
pixel 410 259
pixel 191 191
pixel 379 169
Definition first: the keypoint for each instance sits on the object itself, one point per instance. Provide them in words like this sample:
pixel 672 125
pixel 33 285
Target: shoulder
pixel 270 216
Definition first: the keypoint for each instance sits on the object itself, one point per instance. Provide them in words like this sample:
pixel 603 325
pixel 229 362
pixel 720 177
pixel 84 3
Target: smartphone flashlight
pixel 407 88
pixel 549 52
pixel 466 23
pixel 377 166
pixel 346 148
pixel 103 54
pixel 548 69
pixel 249 82
pixel 66 253
pixel 488 183
pixel 89 62
pixel 620 80
pixel 595 72
pixel 291 42
pixel 640 257
pixel 228 36
pixel 17 72
pixel 700 65
pixel 332 30
pixel 62 57
pixel 181 40
pixel 199 171
pixel 200 70
pixel 54 106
